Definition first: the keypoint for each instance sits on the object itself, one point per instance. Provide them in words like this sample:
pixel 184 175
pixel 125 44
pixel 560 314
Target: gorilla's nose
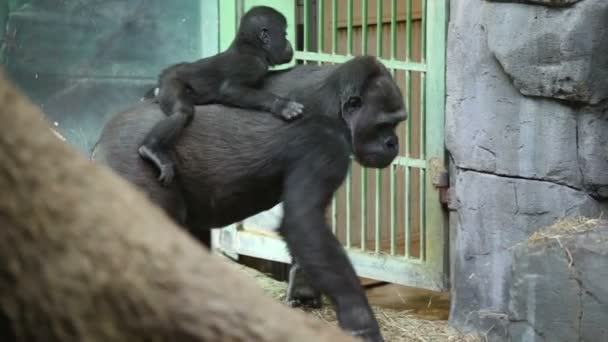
pixel 391 143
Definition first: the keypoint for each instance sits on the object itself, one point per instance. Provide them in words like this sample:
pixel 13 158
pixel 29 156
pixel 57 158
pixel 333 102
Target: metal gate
pixel 390 221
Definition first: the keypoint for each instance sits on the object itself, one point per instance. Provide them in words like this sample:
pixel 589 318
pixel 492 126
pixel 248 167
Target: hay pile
pixel 564 228
pixel 397 326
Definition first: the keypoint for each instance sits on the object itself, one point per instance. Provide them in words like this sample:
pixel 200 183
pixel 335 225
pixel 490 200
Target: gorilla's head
pixel 266 28
pixel 372 107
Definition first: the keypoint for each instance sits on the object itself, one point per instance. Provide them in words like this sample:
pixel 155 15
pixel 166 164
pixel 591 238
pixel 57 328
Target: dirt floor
pixel 404 314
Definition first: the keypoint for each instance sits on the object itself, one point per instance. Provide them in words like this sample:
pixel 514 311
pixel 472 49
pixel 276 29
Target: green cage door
pixel 390 221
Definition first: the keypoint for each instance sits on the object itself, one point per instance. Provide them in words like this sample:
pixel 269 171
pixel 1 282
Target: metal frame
pixel 430 268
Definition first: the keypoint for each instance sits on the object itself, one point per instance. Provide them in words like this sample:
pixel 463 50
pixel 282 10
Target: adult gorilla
pixel 233 163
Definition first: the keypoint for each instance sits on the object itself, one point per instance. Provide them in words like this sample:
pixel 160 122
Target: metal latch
pixel 441 181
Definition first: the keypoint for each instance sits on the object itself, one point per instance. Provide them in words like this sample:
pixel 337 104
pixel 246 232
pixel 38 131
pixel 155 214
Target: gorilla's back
pixel 222 146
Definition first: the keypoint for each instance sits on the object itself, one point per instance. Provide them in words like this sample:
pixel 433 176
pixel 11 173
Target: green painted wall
pixel 84 60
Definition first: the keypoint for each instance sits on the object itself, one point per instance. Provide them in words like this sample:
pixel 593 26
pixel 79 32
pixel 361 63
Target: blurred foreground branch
pixel 85 257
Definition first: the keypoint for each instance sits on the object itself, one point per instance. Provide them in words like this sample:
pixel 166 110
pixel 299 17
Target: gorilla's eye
pixel 350 107
pixel 354 102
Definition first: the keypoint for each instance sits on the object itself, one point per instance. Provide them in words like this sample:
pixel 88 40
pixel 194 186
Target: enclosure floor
pixel 404 314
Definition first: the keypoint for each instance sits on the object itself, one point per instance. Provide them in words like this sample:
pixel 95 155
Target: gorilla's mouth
pixel 376 160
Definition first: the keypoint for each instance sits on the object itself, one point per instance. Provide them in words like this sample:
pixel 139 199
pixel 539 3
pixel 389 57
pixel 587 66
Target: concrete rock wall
pixel 527 131
pixel 558 291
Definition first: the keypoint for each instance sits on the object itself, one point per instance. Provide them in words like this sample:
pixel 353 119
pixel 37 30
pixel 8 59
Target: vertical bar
pixel 423 32
pixel 408 32
pixel 306 22
pixel 363 27
pixel 393 28
pixel 363 170
pixel 435 219
pixel 408 144
pixel 393 168
pixel 363 207
pixel 240 10
pixel 408 202
pixel 378 180
pixel 408 107
pixel 422 115
pixel 349 28
pixel 349 183
pixel 334 26
pixel 392 210
pixel 422 182
pixel 377 216
pixel 408 130
pixel 422 219
pixel 379 30
pixel 321 24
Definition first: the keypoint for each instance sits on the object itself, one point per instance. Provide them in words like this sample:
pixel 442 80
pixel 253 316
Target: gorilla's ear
pixel 264 37
pixel 350 106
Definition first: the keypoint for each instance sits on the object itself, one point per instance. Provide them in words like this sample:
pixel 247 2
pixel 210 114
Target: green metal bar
pixel 422 116
pixel 364 27
pixel 306 21
pixel 423 184
pixel 382 267
pixel 379 26
pixel 349 28
pixel 435 218
pixel 423 32
pixel 325 57
pixel 403 161
pixel 378 214
pixel 321 28
pixel 408 203
pixel 411 162
pixel 349 185
pixel 422 220
pixel 408 144
pixel 393 213
pixel 363 208
pixel 408 106
pixel 378 179
pixel 408 32
pixel 334 26
pixel 393 28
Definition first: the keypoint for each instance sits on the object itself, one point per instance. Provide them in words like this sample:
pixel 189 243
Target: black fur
pixel 233 164
pixel 231 78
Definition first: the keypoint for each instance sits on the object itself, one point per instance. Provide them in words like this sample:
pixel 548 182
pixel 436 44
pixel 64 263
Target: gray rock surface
pixel 558 291
pixel 491 127
pixel 491 215
pixel 518 161
pixel 555 53
pixel 593 150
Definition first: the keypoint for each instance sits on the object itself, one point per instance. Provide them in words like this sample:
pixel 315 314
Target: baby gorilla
pixel 232 77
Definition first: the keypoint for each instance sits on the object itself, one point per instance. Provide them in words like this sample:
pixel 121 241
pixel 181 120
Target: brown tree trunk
pixel 85 257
